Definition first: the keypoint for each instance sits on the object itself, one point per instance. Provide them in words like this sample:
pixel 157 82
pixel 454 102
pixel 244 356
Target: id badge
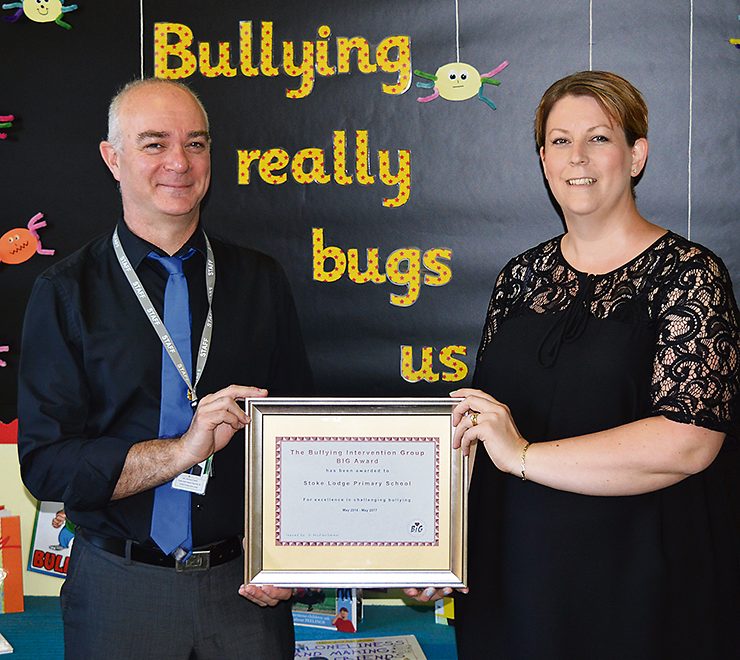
pixel 196 479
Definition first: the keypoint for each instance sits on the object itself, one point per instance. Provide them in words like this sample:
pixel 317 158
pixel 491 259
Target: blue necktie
pixel 171 529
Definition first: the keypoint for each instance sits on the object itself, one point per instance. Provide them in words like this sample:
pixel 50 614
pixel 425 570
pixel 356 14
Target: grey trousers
pixel 117 609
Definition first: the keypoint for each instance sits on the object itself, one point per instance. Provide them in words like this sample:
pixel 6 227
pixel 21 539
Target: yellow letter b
pixel 163 50
pixel 321 254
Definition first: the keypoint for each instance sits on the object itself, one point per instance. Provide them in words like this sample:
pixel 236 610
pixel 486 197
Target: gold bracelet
pixel 524 461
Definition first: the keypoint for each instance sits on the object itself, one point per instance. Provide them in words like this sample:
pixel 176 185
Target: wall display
pixel 391 217
pixel 52 540
pixel 458 82
pixel 8 432
pixel 20 244
pixel 40 11
pixel 6 121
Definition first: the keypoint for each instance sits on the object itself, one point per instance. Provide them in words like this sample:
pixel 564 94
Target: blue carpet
pixel 36 634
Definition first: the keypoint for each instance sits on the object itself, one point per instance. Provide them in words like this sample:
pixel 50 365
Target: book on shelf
pixel 399 647
pixel 332 609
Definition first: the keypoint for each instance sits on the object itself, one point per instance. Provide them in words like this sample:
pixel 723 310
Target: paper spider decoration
pixel 41 11
pixel 458 81
pixel 20 244
pixel 6 121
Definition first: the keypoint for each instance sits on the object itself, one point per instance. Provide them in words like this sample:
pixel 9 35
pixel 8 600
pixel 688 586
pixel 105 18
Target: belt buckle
pixel 199 560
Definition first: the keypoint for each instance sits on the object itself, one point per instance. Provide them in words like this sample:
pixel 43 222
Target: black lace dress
pixel 554 574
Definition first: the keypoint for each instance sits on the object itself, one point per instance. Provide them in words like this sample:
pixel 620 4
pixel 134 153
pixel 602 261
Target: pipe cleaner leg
pixel 485 100
pixel 431 97
pixel 14 18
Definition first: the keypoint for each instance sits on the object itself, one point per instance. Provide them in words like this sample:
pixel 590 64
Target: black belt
pixel 201 559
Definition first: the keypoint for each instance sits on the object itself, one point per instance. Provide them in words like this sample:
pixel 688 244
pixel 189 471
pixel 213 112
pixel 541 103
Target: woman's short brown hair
pixel 618 97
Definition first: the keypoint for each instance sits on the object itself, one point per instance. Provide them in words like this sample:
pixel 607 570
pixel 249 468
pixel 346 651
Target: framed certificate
pixel 354 493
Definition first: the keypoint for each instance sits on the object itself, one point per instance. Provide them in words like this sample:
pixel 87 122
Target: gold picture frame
pixel 354 493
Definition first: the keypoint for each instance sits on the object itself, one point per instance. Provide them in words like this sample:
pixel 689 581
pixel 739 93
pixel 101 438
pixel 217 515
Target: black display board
pixel 473 195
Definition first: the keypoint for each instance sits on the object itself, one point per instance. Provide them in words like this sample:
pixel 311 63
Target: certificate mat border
pixel 279 440
pixel 259 503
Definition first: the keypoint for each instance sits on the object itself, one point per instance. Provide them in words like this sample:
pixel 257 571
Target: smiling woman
pixel 587 160
pixel 591 130
pixel 602 522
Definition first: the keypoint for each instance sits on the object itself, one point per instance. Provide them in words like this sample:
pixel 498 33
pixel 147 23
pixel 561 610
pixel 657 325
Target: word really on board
pixel 309 166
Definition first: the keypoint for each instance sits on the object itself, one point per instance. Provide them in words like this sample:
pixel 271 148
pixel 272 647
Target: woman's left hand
pixel 480 417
